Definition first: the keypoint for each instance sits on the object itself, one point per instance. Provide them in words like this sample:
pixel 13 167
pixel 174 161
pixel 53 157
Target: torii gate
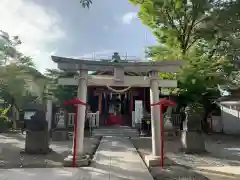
pixel 119 79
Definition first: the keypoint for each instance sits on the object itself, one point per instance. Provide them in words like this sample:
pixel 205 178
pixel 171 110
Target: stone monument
pixel 60 133
pixel 192 137
pixel 37 135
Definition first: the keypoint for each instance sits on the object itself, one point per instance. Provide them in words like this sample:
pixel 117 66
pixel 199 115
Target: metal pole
pixel 161 135
pixel 75 137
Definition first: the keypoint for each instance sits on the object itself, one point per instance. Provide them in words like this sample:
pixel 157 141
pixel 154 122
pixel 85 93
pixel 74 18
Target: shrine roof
pixel 69 64
pixel 59 59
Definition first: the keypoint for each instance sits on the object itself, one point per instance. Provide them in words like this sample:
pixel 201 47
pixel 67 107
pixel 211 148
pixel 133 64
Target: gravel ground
pixel 220 163
pixel 12 144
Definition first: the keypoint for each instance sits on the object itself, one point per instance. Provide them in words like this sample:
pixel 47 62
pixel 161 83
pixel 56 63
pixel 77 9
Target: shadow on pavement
pixel 12 144
pixel 221 162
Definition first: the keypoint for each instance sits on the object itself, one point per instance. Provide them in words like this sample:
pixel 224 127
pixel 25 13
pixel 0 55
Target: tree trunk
pixel 15 117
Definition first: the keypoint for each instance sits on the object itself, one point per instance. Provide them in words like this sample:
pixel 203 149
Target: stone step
pixel 113 131
pixel 96 132
pixel 120 132
pixel 115 135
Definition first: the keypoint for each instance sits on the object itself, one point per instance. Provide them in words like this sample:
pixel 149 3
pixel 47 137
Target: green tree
pixel 8 46
pixel 19 80
pixel 205 34
pixel 59 92
pixel 186 22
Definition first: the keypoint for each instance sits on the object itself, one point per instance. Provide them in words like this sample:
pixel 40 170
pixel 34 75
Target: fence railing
pixel 175 119
pixel 92 117
pixel 229 110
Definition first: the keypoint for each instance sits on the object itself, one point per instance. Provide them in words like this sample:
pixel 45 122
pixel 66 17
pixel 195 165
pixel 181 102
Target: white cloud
pixel 105 28
pixel 129 17
pixel 37 28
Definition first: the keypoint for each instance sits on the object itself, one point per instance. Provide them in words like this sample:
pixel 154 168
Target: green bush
pixel 4 125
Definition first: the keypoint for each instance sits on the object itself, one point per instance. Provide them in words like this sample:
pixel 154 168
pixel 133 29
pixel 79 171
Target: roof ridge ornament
pixel 116 57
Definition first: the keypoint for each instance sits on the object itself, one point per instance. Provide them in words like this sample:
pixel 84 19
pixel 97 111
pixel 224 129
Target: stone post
pixel 49 114
pixel 154 159
pixel 192 137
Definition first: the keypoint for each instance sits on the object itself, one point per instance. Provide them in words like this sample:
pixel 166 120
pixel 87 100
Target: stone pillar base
pixel 193 142
pixel 80 161
pixel 152 160
pixel 59 135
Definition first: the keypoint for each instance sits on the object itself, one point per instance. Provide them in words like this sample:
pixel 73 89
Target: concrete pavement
pixel 115 159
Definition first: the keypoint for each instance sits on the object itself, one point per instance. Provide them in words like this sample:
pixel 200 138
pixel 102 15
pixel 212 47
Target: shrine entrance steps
pixel 117 131
pixel 116 158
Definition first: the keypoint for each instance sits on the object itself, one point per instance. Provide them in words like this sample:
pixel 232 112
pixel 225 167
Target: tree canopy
pixel 20 82
pixel 205 34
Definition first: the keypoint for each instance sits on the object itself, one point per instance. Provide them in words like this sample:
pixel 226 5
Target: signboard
pixel 138 112
pixel 28 115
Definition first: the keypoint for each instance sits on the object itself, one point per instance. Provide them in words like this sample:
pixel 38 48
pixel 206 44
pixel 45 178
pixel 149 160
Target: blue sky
pixel 66 29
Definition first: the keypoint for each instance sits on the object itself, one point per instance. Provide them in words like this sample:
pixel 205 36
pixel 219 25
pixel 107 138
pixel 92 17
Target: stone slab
pixel 81 161
pixel 59 135
pixel 117 158
pixel 151 160
pixel 37 142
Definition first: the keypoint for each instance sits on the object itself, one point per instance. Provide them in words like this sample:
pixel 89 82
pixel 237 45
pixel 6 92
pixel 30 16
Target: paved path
pixel 115 159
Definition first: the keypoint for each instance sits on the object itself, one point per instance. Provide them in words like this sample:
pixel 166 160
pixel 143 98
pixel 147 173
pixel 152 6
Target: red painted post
pixel 162 134
pixel 161 103
pixel 75 135
pixel 75 101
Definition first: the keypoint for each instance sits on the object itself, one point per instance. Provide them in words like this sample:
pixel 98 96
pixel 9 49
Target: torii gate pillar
pixel 81 159
pixel 154 158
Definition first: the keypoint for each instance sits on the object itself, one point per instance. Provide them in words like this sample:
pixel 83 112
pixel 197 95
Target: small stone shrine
pixel 37 135
pixel 60 133
pixel 192 137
